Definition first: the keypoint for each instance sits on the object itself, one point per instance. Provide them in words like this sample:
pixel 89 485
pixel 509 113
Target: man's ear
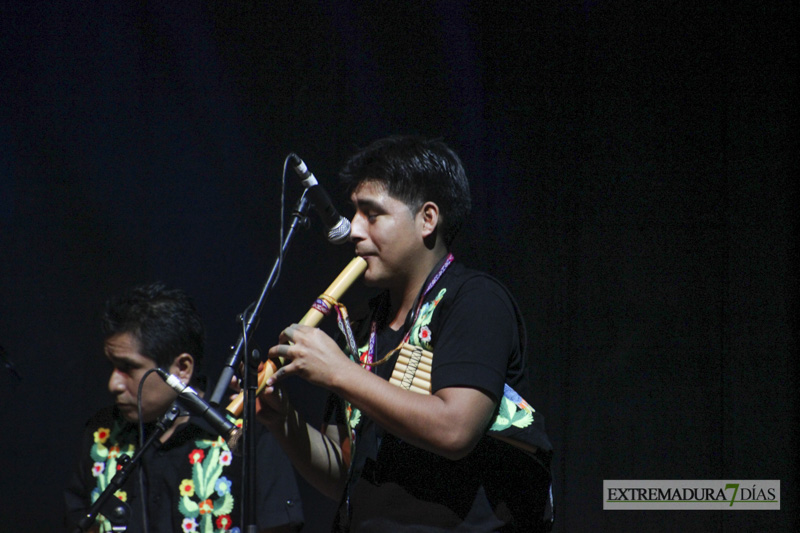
pixel 183 367
pixel 430 218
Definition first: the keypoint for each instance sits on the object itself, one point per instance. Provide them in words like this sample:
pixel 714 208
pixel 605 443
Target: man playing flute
pixel 453 446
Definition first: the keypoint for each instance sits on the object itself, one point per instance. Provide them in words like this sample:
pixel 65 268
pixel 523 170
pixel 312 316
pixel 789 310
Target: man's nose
pixel 357 228
pixel 116 383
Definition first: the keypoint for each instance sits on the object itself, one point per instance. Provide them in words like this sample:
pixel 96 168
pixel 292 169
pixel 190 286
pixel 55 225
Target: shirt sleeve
pixel 475 338
pixel 76 493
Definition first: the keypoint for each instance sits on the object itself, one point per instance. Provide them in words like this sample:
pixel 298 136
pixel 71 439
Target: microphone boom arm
pixel 251 321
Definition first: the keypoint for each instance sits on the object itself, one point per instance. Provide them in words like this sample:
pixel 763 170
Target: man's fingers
pixel 280 350
pixel 277 376
pixel 288 333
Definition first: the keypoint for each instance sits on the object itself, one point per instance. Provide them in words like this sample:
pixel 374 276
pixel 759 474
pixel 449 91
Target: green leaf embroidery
pixel 199 480
pixel 213 470
pixel 522 419
pixel 355 418
pixel 207 524
pixel 424 319
pixel 188 508
pixel 504 415
pixel 223 505
pixel 99 453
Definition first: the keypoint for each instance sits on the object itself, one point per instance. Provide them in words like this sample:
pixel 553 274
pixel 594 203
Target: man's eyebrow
pixel 366 203
pixel 111 356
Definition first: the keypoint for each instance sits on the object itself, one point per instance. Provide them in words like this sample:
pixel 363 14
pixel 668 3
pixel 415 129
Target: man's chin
pixel 129 412
pixel 373 278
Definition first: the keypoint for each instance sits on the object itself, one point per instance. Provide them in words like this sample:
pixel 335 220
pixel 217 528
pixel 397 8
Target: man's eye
pixel 125 368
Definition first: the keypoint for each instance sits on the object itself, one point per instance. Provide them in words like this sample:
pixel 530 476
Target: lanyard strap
pixel 368 358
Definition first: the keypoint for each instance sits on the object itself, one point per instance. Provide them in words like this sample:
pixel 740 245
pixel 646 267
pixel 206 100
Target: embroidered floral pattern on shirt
pixel 206 502
pixel 208 506
pixel 187 488
pixel 105 465
pixel 513 411
pixel 421 332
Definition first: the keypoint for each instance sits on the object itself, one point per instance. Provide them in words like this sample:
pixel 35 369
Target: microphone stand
pixel 117 511
pixel 299 218
pixel 250 376
pixel 250 445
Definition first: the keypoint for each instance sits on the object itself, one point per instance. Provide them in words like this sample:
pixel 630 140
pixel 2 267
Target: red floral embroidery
pixel 224 522
pixel 187 487
pixel 225 458
pixel 189 525
pixel 101 435
pixel 196 456
pixel 425 334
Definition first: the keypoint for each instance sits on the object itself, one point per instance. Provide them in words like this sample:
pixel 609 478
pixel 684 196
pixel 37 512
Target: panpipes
pixel 412 370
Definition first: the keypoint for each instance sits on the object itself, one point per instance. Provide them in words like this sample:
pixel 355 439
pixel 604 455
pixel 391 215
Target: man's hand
pixel 308 353
pixel 272 405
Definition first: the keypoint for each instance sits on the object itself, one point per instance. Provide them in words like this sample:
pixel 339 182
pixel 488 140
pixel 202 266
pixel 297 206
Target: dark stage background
pixel 631 168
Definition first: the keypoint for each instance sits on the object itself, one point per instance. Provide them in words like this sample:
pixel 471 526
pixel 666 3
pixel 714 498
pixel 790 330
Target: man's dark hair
pixel 165 322
pixel 415 170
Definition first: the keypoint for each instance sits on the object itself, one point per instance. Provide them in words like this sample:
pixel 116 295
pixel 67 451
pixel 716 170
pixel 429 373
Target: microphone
pixel 338 226
pixel 198 406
